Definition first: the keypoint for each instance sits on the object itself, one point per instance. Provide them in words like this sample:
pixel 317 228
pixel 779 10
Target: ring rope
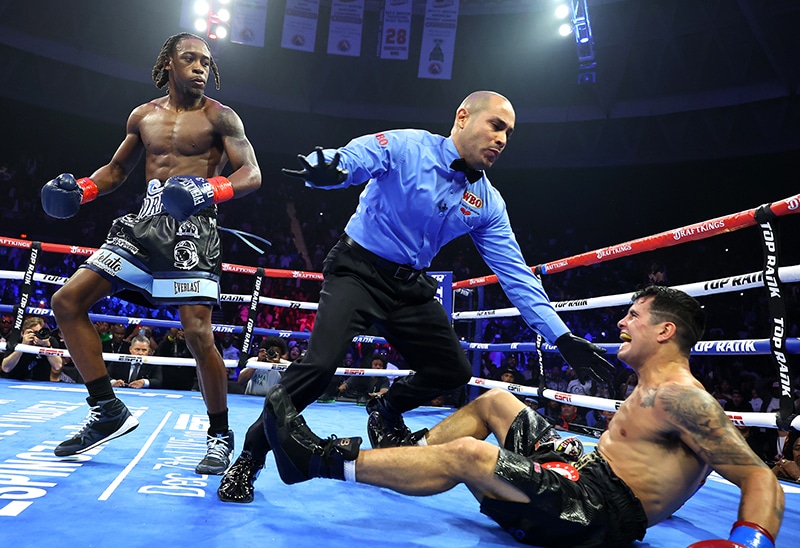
pixel 669 238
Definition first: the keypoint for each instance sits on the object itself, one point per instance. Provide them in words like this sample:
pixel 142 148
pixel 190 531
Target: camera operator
pixel 256 382
pixel 37 367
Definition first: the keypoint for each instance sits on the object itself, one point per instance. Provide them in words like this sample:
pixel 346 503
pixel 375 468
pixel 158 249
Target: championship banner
pixel 396 29
pixel 248 20
pixel 300 24
pixel 347 22
pixel 438 39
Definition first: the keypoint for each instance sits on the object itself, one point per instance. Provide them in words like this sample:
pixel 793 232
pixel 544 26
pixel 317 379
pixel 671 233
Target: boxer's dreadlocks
pixel 161 76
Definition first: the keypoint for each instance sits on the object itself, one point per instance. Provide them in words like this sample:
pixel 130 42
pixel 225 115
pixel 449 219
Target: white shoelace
pixel 218 448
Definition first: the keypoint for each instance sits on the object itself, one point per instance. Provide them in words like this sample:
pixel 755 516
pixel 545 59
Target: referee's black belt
pixel 396 270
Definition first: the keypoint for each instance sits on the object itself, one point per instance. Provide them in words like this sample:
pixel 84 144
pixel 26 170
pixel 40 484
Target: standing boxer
pixel 169 251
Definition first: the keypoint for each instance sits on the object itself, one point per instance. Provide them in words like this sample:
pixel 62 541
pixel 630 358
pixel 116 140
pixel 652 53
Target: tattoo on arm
pixel 702 418
pixel 230 125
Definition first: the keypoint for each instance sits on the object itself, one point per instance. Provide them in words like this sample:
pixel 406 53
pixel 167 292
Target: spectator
pixel 361 388
pixel 117 343
pixel 570 415
pixel 256 382
pixel 788 466
pixel 6 325
pixel 575 386
pixel 330 393
pixel 136 374
pixel 177 377
pixel 37 367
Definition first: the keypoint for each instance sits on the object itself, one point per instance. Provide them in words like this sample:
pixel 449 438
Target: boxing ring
pixel 141 488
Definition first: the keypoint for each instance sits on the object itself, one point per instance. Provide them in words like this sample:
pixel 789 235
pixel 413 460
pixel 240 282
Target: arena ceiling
pixel 677 80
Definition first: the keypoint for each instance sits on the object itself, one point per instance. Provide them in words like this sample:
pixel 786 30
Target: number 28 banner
pixel 396 29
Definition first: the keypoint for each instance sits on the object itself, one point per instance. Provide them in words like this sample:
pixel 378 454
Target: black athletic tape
pixel 24 297
pixel 247 332
pixel 770 244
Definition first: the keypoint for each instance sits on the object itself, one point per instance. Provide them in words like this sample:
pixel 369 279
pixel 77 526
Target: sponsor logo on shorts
pixel 382 140
pixel 187 287
pixel 186 256
pixel 188 228
pixel 151 205
pixel 107 261
pixel 122 242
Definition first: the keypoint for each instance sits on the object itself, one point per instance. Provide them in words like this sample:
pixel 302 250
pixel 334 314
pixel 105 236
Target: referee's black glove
pixel 584 357
pixel 323 174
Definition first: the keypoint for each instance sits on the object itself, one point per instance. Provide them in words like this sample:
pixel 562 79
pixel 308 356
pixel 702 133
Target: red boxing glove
pixel 744 534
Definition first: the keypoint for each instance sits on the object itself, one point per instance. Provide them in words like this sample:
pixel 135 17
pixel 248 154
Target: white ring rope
pixel 753 280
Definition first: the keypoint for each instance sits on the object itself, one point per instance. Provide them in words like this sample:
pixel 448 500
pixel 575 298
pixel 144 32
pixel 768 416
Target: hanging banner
pixel 300 24
pixel 248 20
pixel 347 22
pixel 438 39
pixel 396 29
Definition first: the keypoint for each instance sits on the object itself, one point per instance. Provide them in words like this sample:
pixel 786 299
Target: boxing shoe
pixel 237 483
pixel 299 453
pixel 385 426
pixel 106 420
pixel 218 454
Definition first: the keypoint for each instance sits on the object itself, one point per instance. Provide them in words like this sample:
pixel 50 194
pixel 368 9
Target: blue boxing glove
pixel 744 534
pixel 185 195
pixel 62 197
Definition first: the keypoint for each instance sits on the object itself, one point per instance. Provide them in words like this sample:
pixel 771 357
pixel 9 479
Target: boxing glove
pixel 584 357
pixel 62 197
pixel 744 534
pixel 185 195
pixel 323 174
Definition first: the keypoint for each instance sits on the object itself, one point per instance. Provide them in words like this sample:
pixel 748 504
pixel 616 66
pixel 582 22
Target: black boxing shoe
pixel 385 427
pixel 299 453
pixel 237 483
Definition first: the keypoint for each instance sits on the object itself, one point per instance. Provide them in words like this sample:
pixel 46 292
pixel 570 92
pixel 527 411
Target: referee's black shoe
pixel 299 453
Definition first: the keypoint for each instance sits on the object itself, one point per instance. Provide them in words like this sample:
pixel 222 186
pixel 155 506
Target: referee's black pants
pixel 355 295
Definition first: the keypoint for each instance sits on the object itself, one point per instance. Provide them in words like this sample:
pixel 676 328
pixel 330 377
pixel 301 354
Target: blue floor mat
pixel 141 489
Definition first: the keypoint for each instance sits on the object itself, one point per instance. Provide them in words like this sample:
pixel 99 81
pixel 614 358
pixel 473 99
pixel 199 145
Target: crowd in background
pixel 302 225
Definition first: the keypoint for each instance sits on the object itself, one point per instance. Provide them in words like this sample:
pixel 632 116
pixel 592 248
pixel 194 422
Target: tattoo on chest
pixel 649 398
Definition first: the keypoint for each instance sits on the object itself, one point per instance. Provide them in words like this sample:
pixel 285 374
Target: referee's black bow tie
pixel 461 165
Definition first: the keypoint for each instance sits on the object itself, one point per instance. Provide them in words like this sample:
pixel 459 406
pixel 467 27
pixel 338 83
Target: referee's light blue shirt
pixel 414 203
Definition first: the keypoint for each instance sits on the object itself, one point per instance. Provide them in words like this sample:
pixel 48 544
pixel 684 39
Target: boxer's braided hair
pixel 161 76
